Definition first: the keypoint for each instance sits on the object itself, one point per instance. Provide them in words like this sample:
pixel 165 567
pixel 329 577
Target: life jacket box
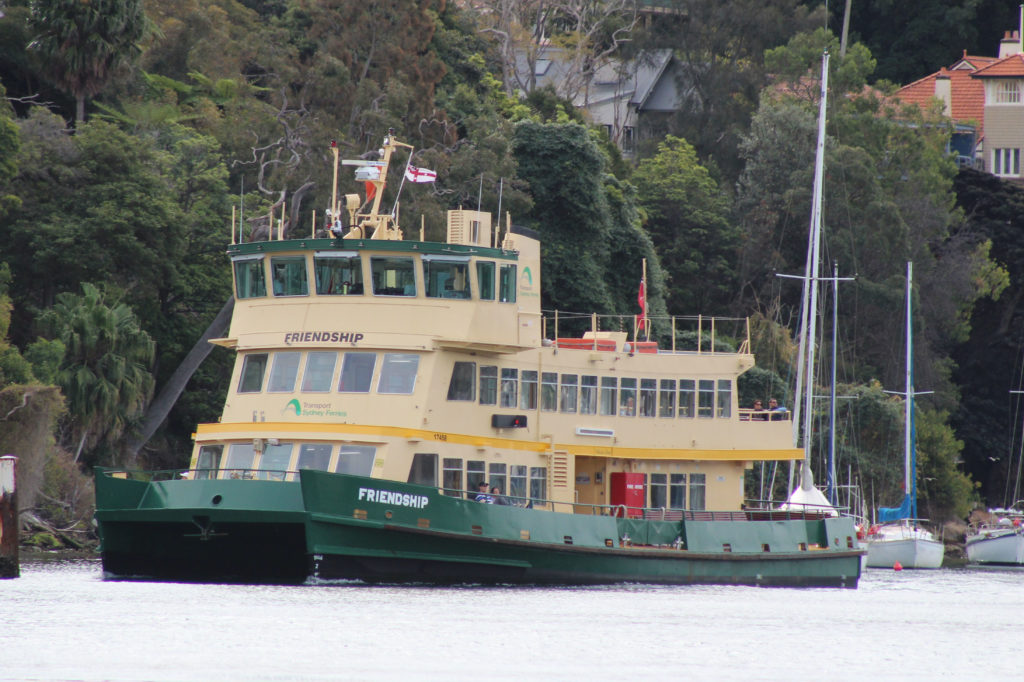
pixel 586 344
pixel 629 488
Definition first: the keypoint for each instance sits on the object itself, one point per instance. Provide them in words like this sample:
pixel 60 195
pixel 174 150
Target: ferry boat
pixel 381 382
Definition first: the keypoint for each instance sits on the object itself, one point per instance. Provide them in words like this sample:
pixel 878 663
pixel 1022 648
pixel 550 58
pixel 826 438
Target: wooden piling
pixel 9 567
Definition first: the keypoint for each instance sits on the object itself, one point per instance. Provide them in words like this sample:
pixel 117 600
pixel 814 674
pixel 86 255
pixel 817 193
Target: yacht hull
pixel 997 547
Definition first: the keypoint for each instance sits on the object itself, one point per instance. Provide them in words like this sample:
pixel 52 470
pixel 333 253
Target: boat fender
pixel 897 566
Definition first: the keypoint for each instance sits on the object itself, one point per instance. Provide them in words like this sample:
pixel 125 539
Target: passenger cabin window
pixel 509 386
pixel 338 274
pixel 706 398
pixel 588 395
pixel 319 372
pixel 476 473
pixel 239 460
pixel 451 477
pixel 517 484
pixel 677 491
pixel 608 389
pixel 687 398
pixel 254 368
pixel 424 469
pixel 206 463
pixel 357 372
pixel 568 393
pixel 356 460
pixel 446 278
pixel 485 279
pixel 507 288
pixel 549 391
pixel 497 476
pixel 463 382
pixel 315 456
pixel 283 372
pixel 538 483
pixel 393 276
pixel 274 461
pixel 488 385
pixel 667 398
pixel 398 373
pixel 250 282
pixel 698 498
pixel 528 390
pixel 648 397
pixel 288 274
pixel 627 398
pixel 724 398
pixel 659 490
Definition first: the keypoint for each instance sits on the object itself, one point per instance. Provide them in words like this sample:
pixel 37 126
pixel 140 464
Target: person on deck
pixel 498 497
pixel 759 414
pixel 778 410
pixel 482 494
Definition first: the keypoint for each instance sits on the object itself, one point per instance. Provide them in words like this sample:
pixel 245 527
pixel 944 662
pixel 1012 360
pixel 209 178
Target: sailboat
pixel 900 539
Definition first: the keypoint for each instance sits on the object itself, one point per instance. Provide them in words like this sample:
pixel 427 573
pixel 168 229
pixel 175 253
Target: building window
pixel 283 372
pixel 1006 162
pixel 319 372
pixel 1007 92
pixel 588 395
pixel 253 368
pixel 528 394
pixel 509 387
pixel 698 499
pixel 357 372
pixel 462 385
pixel 398 373
pixel 628 139
pixel 289 276
pixel 340 275
pixel 488 385
pixel 452 477
pixel 549 391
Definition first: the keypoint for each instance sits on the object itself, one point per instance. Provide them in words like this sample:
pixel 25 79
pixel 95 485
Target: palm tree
pixel 104 375
pixel 81 42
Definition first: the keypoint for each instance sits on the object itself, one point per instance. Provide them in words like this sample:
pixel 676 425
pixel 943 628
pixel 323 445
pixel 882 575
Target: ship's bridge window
pixel 463 382
pixel 724 398
pixel 508 282
pixel 393 276
pixel 687 397
pixel 528 390
pixel 424 469
pixel 274 461
pixel 288 274
pixel 254 367
pixel 667 398
pixel 549 391
pixel 357 372
pixel 207 461
pixel 588 394
pixel 485 279
pixel 283 372
pixel 698 499
pixel 398 373
pixel 238 463
pixel 355 459
pixel 250 281
pixel 648 397
pixel 488 385
pixel 627 397
pixel 314 456
pixel 319 372
pixel 338 273
pixel 706 398
pixel 446 276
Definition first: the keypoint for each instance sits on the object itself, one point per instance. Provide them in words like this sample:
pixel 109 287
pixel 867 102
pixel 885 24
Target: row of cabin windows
pixel 342 274
pixel 669 491
pixel 590 394
pixel 518 482
pixel 280 461
pixel 322 372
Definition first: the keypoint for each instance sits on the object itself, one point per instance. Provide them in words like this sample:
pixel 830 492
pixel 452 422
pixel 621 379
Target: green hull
pixel 330 526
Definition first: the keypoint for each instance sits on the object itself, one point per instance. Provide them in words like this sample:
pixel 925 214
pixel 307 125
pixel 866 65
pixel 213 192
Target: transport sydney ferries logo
pixel 526 287
pixel 293 406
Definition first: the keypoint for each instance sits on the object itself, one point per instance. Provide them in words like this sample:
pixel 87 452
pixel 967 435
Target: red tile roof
pixel 1008 67
pixel 967 94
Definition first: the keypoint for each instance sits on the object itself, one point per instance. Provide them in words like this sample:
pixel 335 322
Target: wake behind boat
pixel 403 411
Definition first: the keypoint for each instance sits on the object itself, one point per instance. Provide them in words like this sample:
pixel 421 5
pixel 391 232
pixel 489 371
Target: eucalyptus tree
pixel 105 371
pixel 81 44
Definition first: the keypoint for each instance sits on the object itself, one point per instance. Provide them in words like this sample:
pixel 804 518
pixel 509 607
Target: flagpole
pixel 401 184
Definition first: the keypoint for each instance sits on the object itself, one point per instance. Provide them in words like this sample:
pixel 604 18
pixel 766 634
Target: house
pixel 984 96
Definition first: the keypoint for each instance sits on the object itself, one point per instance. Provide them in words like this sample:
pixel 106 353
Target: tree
pixel 687 217
pixel 81 44
pixel 105 373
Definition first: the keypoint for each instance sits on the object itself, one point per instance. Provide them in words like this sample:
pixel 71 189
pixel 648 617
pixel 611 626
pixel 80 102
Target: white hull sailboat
pixel 999 542
pixel 901 540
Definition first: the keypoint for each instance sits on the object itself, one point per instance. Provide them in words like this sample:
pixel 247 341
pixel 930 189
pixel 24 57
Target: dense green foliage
pixel 112 230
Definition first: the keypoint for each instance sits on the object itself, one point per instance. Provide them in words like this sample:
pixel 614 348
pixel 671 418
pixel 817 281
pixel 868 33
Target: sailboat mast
pixel 832 392
pixel 909 481
pixel 811 280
